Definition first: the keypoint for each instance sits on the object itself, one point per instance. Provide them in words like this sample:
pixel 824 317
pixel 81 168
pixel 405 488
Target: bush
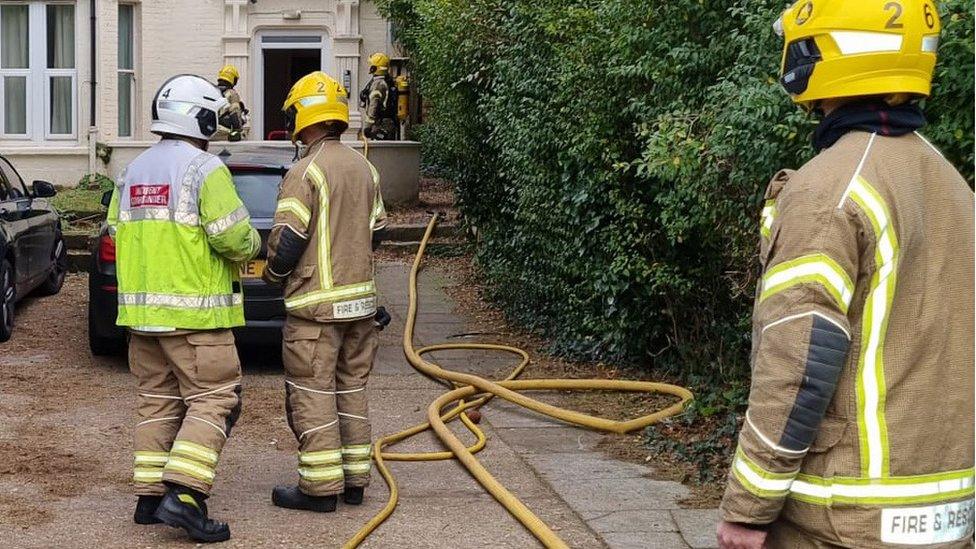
pixel 612 157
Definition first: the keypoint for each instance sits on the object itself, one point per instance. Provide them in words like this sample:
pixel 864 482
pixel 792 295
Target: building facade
pixel 60 96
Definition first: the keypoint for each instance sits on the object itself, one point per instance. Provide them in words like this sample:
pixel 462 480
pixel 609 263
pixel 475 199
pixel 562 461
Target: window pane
pixel 125 104
pixel 259 192
pixel 61 106
pixel 60 36
pixel 14 32
pixel 15 105
pixel 125 36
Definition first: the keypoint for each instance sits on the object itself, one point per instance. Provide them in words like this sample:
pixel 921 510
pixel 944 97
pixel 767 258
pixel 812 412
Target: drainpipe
pixel 92 128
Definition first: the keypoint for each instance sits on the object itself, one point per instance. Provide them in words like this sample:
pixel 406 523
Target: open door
pixel 282 68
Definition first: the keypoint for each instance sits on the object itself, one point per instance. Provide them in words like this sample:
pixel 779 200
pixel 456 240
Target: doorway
pixel 281 57
pixel 282 68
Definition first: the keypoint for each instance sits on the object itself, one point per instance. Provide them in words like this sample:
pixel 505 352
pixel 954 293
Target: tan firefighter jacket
pixel 860 421
pixel 330 200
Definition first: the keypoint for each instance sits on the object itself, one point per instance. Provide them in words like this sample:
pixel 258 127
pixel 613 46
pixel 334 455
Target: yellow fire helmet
pixel 229 73
pixel 379 62
pixel 315 98
pixel 840 48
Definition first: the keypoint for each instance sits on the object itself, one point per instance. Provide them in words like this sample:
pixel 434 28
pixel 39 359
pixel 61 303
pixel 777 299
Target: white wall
pixel 188 36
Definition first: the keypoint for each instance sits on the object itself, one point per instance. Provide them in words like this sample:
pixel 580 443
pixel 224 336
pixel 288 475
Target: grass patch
pixel 78 200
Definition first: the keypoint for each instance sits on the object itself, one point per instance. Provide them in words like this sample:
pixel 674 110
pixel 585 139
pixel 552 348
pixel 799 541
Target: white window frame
pixel 49 73
pixel 28 126
pixel 39 78
pixel 119 71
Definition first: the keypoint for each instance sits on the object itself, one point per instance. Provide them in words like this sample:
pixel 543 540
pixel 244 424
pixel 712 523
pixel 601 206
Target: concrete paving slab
pixel 549 440
pixel 644 541
pixel 620 522
pixel 619 494
pixel 697 526
pixel 592 465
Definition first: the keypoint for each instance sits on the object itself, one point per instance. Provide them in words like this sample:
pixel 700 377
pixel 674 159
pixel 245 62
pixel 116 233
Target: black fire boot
pixel 290 497
pixel 184 508
pixel 145 508
pixel 353 495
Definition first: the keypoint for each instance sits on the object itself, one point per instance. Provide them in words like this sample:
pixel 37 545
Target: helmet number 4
pixel 893 23
pixel 165 94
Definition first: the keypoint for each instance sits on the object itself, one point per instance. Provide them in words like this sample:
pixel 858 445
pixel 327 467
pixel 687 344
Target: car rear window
pixel 259 191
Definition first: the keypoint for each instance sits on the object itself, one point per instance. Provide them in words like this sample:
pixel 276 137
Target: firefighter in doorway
pixel 379 99
pixel 233 123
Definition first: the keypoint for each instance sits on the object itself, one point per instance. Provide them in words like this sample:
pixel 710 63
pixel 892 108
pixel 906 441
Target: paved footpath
pixel 615 501
pixel 65 481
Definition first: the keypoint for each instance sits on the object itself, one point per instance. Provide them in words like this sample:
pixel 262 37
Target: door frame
pixel 283 39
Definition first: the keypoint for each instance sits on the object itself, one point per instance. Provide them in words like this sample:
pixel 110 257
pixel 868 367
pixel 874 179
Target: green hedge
pixel 612 156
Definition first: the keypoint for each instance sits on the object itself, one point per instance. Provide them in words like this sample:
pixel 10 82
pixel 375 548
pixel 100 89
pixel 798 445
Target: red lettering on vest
pixel 149 196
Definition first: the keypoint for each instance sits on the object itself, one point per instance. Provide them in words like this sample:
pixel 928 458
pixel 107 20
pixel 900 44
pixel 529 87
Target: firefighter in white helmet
pixel 181 233
pixel 859 431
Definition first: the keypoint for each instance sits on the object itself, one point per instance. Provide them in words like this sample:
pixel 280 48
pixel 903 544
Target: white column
pixel 237 40
pixel 346 49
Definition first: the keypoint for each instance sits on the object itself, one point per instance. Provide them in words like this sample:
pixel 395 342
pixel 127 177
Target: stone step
pixel 79 261
pixel 78 241
pixel 410 232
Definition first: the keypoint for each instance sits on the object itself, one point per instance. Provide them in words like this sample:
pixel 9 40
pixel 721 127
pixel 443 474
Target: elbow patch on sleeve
pixel 826 355
pixel 290 248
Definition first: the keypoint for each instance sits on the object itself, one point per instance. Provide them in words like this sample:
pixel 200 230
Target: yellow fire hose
pixel 465 386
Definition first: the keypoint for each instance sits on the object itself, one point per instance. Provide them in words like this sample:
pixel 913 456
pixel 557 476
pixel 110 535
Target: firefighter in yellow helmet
pixel 233 121
pixel 328 218
pixel 859 431
pixel 379 100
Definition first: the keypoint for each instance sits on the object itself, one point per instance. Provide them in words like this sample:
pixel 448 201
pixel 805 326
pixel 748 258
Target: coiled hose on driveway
pixel 468 392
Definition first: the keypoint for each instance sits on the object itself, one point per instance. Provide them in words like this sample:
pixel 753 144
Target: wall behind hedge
pixel 612 156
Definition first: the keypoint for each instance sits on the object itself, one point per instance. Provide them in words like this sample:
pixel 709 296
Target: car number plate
pixel 253 269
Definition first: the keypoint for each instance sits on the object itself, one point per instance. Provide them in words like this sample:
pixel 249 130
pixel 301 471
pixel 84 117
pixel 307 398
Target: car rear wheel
pixel 52 284
pixel 8 298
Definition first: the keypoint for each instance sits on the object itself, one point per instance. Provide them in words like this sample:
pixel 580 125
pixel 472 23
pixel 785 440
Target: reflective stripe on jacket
pixel 181 232
pixel 331 198
pixel 860 421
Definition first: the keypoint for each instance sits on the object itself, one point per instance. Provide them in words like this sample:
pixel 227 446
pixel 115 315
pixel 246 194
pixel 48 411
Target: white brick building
pixel 47 91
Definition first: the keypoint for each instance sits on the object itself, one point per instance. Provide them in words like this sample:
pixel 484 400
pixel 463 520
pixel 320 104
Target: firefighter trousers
pixel 189 399
pixel 326 369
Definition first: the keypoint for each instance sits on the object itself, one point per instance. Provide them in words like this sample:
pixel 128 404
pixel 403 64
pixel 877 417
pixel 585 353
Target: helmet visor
pixel 778 26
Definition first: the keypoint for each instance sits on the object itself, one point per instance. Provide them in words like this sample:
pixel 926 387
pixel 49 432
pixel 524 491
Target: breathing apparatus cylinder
pixel 403 98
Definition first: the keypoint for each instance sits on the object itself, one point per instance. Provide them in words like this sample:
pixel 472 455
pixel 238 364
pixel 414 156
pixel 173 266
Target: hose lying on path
pixel 480 390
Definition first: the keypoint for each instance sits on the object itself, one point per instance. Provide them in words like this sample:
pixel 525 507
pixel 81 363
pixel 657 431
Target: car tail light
pixel 106 249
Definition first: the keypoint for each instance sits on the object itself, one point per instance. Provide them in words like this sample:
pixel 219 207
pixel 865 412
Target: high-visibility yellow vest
pixel 181 232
